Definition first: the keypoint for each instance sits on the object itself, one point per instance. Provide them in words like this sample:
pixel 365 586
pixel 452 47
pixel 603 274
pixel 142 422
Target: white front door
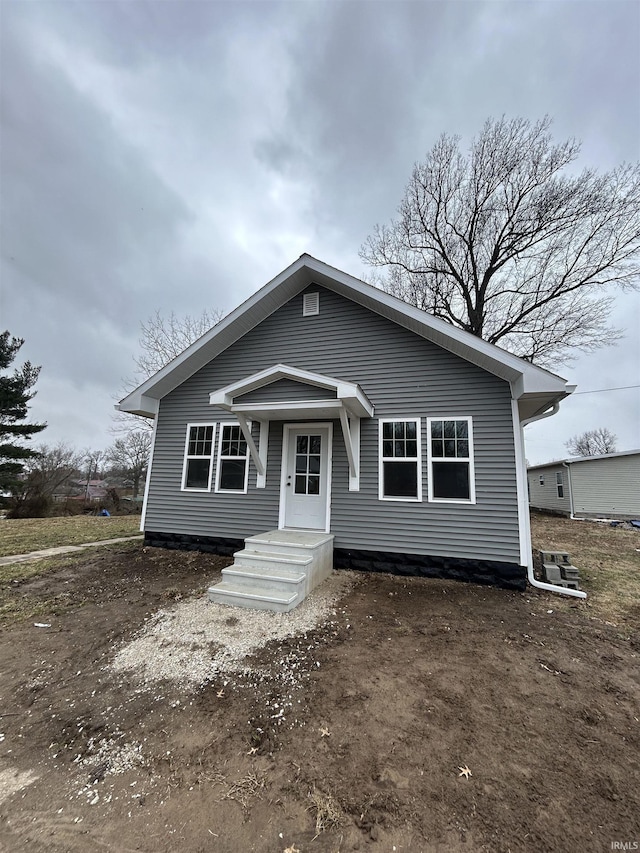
pixel 306 480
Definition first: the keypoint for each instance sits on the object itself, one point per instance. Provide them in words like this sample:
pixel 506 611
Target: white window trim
pixel 471 460
pixel 559 485
pixel 184 487
pixel 381 460
pixel 220 458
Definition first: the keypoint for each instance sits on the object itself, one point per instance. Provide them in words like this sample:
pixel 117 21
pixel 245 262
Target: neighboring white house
pixel 607 486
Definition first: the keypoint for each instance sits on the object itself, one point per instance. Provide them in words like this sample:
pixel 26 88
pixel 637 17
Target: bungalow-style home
pixel 326 419
pixel 606 486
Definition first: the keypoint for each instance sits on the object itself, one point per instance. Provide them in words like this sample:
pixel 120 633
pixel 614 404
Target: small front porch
pixel 276 570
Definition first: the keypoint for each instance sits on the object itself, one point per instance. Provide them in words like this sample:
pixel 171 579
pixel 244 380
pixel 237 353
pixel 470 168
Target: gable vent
pixel 310 304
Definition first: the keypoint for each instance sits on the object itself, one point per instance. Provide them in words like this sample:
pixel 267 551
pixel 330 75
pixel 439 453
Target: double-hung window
pixel 559 484
pixel 451 471
pixel 400 477
pixel 198 457
pixel 233 460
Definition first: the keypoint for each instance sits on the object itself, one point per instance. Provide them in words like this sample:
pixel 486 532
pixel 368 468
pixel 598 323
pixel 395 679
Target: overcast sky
pixel 178 155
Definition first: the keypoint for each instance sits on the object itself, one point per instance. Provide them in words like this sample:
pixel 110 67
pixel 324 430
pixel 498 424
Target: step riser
pixel 278 548
pixel 290 562
pixel 250 603
pixel 245 582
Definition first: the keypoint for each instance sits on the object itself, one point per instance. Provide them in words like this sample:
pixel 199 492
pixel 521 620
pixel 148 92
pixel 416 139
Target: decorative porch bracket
pixel 258 461
pixel 351 433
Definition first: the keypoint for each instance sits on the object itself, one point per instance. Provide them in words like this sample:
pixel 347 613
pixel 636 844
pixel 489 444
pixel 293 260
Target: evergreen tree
pixel 14 397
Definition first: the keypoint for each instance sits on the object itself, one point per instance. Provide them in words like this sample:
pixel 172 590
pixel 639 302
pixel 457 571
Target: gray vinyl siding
pixel 545 495
pixel 404 376
pixel 286 390
pixel 607 486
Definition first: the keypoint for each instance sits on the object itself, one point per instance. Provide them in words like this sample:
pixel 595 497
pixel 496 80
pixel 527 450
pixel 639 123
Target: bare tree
pixel 47 473
pixel 130 456
pixel 594 442
pixel 165 338
pixel 161 340
pixel 510 245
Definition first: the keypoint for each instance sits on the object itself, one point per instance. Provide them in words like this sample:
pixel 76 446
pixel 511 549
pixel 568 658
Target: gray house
pixel 325 413
pixel 587 486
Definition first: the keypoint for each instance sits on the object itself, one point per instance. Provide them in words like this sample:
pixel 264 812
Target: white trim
pixel 417 460
pixel 286 432
pixel 261 477
pixel 471 460
pixel 522 489
pixel 347 393
pixel 559 485
pixel 214 424
pixel 143 514
pixel 220 459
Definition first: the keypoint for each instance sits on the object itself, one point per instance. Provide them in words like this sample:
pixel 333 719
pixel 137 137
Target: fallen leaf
pixel 464 771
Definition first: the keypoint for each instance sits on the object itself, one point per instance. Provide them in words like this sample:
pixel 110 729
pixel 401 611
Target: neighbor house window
pixel 559 484
pixel 233 460
pixel 400 478
pixel 451 473
pixel 198 457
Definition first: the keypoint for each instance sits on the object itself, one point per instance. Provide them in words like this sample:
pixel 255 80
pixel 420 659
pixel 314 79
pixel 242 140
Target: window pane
pixel 387 448
pixel 436 429
pixel 301 485
pixel 232 474
pixel 314 485
pixel 192 447
pixel 400 479
pixel 411 430
pixel 398 429
pixel 314 443
pixel 197 474
pixel 462 429
pixel 398 449
pixel 463 448
pixel 451 480
pixel 412 448
pixel 242 447
pixel 301 463
pixel 449 429
pixel 314 464
pixel 449 448
pixel 301 444
pixel 387 430
pixel 226 448
pixel 437 448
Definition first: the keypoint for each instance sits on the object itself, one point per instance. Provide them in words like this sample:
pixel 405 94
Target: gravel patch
pixel 12 781
pixel 195 640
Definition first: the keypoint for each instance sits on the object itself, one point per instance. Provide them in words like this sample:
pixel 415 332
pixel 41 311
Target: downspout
pixel 574 593
pixel 570 487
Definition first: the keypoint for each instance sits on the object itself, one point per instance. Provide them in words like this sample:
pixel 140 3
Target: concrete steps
pixel 276 570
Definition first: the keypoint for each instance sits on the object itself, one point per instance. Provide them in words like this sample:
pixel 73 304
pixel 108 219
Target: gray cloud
pixel 178 155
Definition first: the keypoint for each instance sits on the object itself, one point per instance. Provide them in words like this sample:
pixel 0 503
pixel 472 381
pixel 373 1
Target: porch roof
pixel 349 397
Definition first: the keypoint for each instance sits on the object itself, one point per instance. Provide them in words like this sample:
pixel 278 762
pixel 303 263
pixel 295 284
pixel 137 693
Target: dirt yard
pixel 416 716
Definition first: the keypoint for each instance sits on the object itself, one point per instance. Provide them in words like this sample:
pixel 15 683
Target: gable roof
pixel 572 460
pixel 536 389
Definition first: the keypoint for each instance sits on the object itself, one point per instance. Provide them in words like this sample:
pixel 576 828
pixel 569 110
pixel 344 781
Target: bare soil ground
pixel 406 686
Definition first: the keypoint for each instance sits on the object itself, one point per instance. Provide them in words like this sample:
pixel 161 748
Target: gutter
pixel 570 487
pixel 574 593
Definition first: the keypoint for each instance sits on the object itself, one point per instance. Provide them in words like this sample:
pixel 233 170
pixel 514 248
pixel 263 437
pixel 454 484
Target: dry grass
pixel 18 602
pixel 608 559
pixel 22 535
pixel 327 810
